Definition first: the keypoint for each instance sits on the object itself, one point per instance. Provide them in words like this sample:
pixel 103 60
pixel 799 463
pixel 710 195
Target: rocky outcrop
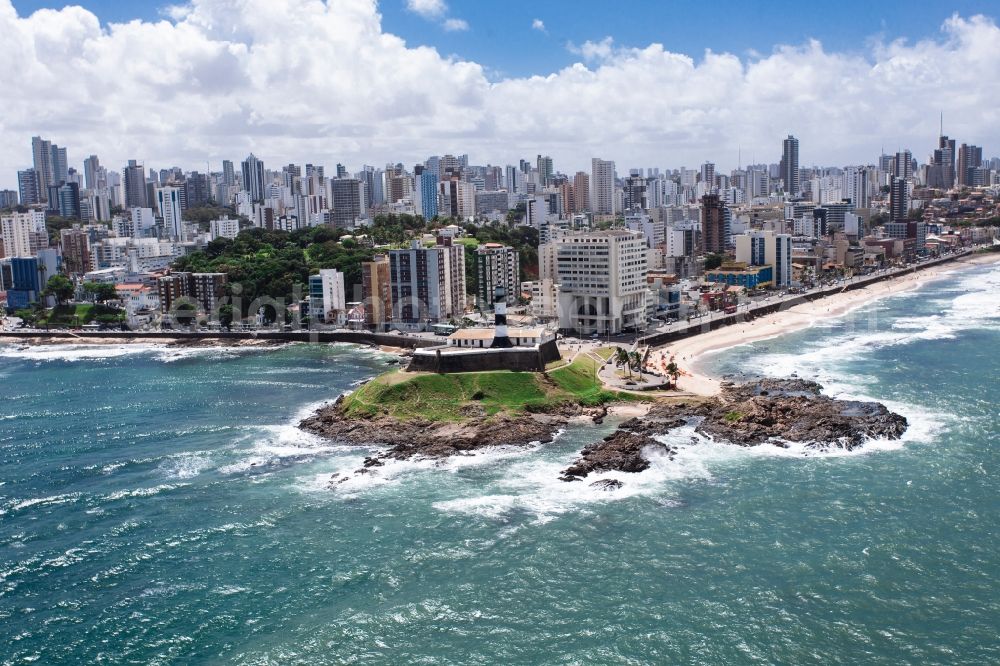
pixel 419 437
pixel 764 411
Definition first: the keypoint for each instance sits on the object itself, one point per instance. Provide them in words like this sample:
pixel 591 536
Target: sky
pixel 647 83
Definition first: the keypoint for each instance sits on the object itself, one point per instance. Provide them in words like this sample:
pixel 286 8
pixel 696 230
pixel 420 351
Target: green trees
pixel 60 288
pixel 101 291
pixel 673 372
pixel 713 261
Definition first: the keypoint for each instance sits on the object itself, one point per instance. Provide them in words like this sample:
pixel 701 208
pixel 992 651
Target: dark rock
pixel 607 484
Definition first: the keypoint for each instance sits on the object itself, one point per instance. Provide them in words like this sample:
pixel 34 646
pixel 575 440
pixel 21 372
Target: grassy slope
pixel 442 397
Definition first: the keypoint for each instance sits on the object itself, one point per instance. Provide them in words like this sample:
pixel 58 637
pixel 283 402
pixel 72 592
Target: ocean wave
pixel 73 353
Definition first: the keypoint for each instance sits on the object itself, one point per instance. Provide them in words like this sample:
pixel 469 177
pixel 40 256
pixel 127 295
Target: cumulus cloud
pixel 455 25
pixel 323 82
pixel 591 51
pixel 427 8
pixel 539 25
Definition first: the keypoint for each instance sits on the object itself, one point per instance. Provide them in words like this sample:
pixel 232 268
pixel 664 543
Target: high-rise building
pixel 420 280
pixel 970 158
pixel 29 187
pixel 65 199
pixel 941 172
pixel 376 293
pixel 602 281
pixel 134 185
pixel 899 199
pixel 544 166
pixel 253 178
pixel 789 165
pixel 581 192
pixel 50 165
pixel 75 244
pixel 766 248
pixel 228 172
pixel 856 187
pixel 602 183
pixel 168 201
pixel 902 165
pixel 327 301
pixel 708 176
pixel 91 169
pixel 714 224
pixel 196 190
pixel 634 193
pixel 8 199
pixel 428 186
pixel 496 266
pixel 345 202
pixel 19 232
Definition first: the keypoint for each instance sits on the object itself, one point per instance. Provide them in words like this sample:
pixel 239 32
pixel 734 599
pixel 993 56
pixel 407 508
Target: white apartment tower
pixel 169 204
pixel 602 281
pixel 602 185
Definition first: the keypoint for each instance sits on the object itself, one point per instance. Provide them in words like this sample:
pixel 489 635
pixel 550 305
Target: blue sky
pixel 501 38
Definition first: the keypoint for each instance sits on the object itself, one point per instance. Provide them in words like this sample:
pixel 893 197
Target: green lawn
pixel 80 313
pixel 451 397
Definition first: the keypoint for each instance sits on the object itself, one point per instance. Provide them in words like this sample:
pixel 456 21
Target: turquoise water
pixel 158 506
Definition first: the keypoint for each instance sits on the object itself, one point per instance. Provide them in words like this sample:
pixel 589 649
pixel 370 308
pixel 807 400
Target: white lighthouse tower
pixel 501 338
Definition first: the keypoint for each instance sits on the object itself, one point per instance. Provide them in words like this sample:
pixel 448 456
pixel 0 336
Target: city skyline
pixel 193 94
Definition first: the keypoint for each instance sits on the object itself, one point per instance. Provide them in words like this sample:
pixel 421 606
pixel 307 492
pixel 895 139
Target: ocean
pixel 159 506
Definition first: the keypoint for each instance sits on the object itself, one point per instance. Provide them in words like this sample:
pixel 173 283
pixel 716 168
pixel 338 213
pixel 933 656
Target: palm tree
pixel 635 359
pixel 623 359
pixel 673 372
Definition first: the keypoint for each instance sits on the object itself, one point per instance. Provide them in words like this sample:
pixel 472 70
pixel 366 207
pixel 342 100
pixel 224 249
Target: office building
pixel 602 281
pixel 902 165
pixel 766 248
pixel 970 159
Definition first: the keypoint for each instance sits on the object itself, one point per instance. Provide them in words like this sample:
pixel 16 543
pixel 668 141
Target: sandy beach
pixel 686 352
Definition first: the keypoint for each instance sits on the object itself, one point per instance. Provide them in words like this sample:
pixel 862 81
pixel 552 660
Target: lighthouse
pixel 500 336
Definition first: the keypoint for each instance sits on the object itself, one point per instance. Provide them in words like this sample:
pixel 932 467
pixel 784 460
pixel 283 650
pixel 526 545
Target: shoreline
pixel 688 352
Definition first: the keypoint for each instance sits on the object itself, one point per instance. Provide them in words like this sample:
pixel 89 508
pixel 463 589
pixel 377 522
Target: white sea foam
pixel 98 352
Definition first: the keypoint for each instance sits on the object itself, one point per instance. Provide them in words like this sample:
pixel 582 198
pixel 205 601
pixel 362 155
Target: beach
pixel 687 352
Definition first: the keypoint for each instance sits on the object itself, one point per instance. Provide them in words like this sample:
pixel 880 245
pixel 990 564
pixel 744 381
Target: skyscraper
pixel 581 192
pixel 169 203
pixel 899 199
pixel 91 168
pixel 969 159
pixel 902 165
pixel 29 187
pixel 496 266
pixel 134 184
pixel 790 165
pixel 345 195
pixel 228 172
pixel 253 178
pixel 713 224
pixel 544 165
pixel 602 183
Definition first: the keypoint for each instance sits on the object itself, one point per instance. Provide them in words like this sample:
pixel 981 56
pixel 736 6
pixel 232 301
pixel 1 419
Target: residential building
pixel 423 284
pixel 496 266
pixel 327 301
pixel 602 183
pixel 376 292
pixel 789 166
pixel 169 204
pixel 345 200
pixel 715 224
pixel 134 185
pixel 223 228
pixel 22 233
pixel 899 199
pixel 29 187
pixel 75 244
pixel 253 178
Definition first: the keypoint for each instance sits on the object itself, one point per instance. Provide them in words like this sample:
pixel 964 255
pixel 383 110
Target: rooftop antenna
pixel 942 123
